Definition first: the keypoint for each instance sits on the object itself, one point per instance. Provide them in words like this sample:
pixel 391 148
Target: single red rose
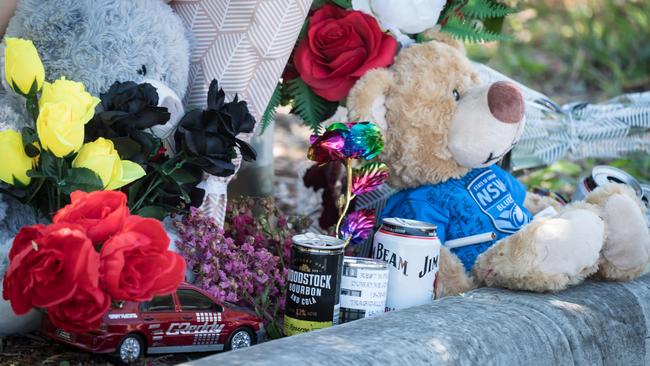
pixel 102 213
pixel 47 269
pixel 81 313
pixel 24 238
pixel 136 265
pixel 340 47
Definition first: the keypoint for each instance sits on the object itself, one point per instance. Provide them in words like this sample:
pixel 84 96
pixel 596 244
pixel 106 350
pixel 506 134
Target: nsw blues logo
pixel 493 198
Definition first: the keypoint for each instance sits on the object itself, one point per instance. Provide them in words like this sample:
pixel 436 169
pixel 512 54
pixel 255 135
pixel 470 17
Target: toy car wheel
pixel 240 338
pixel 130 349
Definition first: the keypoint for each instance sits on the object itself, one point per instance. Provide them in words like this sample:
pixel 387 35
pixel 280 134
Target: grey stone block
pixel 596 323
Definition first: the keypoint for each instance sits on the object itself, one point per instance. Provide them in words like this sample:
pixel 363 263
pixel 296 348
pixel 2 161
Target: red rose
pixel 24 238
pixel 102 213
pixel 135 263
pixel 81 313
pixel 340 46
pixel 47 266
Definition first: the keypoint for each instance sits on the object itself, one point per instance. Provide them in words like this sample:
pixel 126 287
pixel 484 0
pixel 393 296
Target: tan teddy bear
pixel 445 132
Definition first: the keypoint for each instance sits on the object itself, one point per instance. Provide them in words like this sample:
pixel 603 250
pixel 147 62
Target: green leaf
pixel 47 164
pixel 134 191
pixel 82 179
pixel 126 147
pixel 30 138
pixel 310 107
pixel 273 331
pixel 346 4
pixel 269 113
pixel 471 31
pixel 154 212
pixel 482 9
pixel 182 176
pixel 318 3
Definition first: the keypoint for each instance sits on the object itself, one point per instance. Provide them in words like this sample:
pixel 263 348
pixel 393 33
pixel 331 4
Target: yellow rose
pixel 65 107
pixel 15 162
pixel 72 93
pixel 23 66
pixel 58 131
pixel 101 157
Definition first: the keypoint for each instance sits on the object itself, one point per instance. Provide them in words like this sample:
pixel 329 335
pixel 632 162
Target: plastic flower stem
pixel 59 168
pixel 31 103
pixel 348 196
pixel 155 182
pixel 36 190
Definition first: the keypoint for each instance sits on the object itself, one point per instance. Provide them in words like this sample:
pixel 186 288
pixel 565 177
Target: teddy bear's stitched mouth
pixel 491 157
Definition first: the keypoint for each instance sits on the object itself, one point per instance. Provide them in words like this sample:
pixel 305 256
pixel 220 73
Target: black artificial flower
pixel 129 109
pixel 209 137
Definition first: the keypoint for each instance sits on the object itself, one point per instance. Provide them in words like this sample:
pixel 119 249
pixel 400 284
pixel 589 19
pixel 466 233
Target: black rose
pixel 128 109
pixel 208 137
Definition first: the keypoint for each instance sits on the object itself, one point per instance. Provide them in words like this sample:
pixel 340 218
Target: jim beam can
pixel 314 283
pixel 364 287
pixel 601 175
pixel 412 251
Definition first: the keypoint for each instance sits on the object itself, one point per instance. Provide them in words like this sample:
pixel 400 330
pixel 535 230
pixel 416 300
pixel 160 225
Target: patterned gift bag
pixel 245 45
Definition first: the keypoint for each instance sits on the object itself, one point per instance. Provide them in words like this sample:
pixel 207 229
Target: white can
pixel 601 175
pixel 412 251
pixel 364 286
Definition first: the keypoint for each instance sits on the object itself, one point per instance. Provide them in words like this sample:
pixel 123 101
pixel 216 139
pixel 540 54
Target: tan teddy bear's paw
pixel 626 251
pixel 547 255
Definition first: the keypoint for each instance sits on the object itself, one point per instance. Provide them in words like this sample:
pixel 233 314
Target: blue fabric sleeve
pixel 516 188
pixel 421 211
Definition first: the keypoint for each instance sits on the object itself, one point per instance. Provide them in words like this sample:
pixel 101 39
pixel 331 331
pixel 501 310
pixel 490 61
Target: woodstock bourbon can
pixel 412 251
pixel 314 283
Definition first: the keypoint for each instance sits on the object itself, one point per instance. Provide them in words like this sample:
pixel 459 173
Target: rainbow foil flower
pixel 326 147
pixel 346 140
pixel 369 177
pixel 363 140
pixel 358 226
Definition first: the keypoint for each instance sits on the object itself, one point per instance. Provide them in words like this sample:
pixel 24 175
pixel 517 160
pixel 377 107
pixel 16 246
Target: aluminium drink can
pixel 601 175
pixel 314 283
pixel 412 251
pixel 364 286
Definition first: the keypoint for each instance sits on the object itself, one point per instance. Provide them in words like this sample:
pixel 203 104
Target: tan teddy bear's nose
pixel 506 102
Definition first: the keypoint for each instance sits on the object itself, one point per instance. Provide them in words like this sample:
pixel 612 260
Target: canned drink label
pixel 363 292
pixel 313 291
pixel 413 268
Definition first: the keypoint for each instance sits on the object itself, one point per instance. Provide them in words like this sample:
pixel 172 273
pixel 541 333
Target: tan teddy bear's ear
pixel 435 34
pixel 366 101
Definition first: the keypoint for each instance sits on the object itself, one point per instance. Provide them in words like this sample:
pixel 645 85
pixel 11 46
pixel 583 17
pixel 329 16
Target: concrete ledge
pixel 595 323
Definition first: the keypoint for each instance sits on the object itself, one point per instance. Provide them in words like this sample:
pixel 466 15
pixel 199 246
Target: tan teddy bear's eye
pixel 456 95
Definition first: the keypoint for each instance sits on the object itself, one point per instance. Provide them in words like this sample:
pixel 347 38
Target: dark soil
pixel 33 350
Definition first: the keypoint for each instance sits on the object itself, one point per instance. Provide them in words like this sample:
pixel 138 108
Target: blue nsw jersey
pixel 484 200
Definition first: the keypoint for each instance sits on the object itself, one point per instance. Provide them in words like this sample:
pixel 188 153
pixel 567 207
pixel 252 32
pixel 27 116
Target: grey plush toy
pixel 97 43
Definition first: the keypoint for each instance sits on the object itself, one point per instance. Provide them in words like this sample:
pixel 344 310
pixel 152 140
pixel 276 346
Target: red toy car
pixel 189 320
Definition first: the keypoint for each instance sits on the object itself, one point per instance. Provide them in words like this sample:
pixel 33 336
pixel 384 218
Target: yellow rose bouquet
pixel 44 164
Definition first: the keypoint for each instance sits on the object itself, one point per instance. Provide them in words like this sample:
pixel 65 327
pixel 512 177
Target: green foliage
pixel 475 20
pixel 310 107
pixel 269 113
pixel 468 31
pixel 483 9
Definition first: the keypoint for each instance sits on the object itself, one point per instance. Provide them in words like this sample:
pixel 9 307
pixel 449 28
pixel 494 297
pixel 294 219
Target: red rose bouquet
pixel 94 253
